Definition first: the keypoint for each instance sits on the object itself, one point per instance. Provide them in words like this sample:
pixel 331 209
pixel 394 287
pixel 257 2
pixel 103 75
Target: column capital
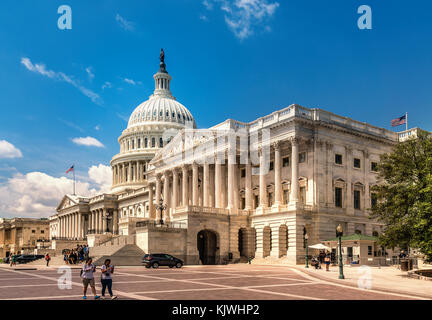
pixel 277 145
pixel 294 140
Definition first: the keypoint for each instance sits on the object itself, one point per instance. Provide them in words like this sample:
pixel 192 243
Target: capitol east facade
pixel 231 192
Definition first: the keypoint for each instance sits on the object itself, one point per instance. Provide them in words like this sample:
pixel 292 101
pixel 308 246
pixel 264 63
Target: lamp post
pixel 339 233
pixel 161 206
pixel 306 237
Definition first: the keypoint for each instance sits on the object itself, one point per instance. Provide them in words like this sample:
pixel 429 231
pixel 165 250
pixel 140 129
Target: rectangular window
pixel 302 157
pixel 286 196
pixel 33 231
pixel 369 250
pixel 338 197
pixel 243 173
pixel 133 144
pixel 338 158
pixel 270 198
pixel 356 163
pixel 303 195
pixel 285 162
pixel 243 201
pixel 271 165
pixel 256 201
pixel 139 143
pixel 357 199
pixel 374 200
pixel 374 166
pixel 42 231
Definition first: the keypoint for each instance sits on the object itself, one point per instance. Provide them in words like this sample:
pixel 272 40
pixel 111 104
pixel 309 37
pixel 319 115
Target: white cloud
pixel 243 16
pixel 107 84
pixel 37 194
pixel 125 24
pixel 88 141
pixel 41 69
pixel 130 81
pixel 90 73
pixel 9 151
pixel 101 175
pixel 208 4
pixel 97 127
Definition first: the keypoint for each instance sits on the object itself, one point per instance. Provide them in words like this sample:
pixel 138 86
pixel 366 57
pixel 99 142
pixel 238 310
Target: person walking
pixel 106 280
pixel 327 262
pixel 13 260
pixel 47 259
pixel 88 278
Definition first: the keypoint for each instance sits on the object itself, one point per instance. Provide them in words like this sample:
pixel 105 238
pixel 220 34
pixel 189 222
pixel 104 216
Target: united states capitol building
pixel 234 191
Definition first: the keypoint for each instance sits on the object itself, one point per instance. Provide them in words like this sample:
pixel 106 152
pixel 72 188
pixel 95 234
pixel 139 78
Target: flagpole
pixel 74 180
pixel 406 121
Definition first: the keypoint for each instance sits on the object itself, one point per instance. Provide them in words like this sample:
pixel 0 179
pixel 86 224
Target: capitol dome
pixel 160 109
pixel 152 125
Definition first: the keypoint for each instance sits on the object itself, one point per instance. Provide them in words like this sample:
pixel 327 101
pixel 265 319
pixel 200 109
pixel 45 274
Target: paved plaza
pixel 230 282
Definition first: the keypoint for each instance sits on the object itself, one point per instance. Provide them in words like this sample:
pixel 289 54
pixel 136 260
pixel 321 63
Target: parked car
pixel 6 260
pixel 24 258
pixel 161 259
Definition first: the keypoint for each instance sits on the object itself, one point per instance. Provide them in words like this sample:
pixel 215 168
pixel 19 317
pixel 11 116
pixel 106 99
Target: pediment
pixel 66 202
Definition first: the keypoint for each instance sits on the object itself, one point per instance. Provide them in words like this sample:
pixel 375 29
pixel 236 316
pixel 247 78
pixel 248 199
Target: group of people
pixel 76 255
pixel 324 257
pixel 87 275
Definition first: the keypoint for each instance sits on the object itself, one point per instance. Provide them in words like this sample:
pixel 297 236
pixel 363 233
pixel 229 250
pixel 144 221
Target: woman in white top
pixel 107 269
pixel 87 278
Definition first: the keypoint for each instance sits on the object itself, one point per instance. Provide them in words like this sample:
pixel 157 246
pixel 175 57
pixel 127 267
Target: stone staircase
pixel 121 250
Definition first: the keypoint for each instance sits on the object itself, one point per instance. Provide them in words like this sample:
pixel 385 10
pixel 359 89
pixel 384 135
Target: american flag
pixel 70 169
pixel 398 121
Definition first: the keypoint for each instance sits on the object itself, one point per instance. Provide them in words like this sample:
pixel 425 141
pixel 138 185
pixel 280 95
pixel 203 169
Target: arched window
pixel 161 142
pixel 145 143
pixel 153 142
pixel 375 234
pixel 139 143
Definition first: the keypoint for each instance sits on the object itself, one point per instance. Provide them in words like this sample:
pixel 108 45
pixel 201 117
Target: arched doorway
pixel 267 239
pixel 207 246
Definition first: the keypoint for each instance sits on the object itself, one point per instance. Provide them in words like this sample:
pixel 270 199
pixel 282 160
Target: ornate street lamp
pixel 161 206
pixel 306 237
pixel 339 233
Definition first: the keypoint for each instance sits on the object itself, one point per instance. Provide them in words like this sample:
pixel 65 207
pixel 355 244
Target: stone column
pixel 294 171
pixel 166 193
pixel 185 186
pixel 206 184
pixel 100 229
pixel 248 186
pixel 79 225
pixel 349 204
pixel 151 206
pixel 130 172
pixel 158 189
pixel 175 188
pixel 97 225
pixel 104 220
pixel 115 221
pixel 195 193
pixel 262 181
pixel 218 185
pixel 277 173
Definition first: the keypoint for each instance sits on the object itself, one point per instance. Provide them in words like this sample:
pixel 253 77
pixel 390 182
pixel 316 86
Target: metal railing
pixel 157 224
pixel 373 261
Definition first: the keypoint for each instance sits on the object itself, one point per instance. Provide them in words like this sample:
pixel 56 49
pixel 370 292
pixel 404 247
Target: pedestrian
pixel 47 259
pixel 65 257
pixel 88 278
pixel 327 262
pixel 13 260
pixel 106 280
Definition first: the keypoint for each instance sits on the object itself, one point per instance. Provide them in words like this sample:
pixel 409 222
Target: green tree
pixel 404 195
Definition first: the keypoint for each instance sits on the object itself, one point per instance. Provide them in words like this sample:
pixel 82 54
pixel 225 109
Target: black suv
pixel 161 259
pixel 28 258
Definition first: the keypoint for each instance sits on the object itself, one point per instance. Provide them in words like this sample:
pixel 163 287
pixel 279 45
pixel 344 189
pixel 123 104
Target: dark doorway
pixel 207 242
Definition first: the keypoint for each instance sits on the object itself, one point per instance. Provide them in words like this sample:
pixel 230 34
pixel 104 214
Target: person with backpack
pixel 47 259
pixel 106 280
pixel 88 278
pixel 327 261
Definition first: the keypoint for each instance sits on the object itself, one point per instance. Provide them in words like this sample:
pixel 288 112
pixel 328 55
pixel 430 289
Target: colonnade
pixel 126 172
pixel 74 225
pixel 217 185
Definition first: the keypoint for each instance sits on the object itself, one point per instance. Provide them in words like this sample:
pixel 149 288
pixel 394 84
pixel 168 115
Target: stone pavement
pixel 229 282
pixel 384 278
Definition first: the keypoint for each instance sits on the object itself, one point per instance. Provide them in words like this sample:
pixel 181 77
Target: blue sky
pixel 238 59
